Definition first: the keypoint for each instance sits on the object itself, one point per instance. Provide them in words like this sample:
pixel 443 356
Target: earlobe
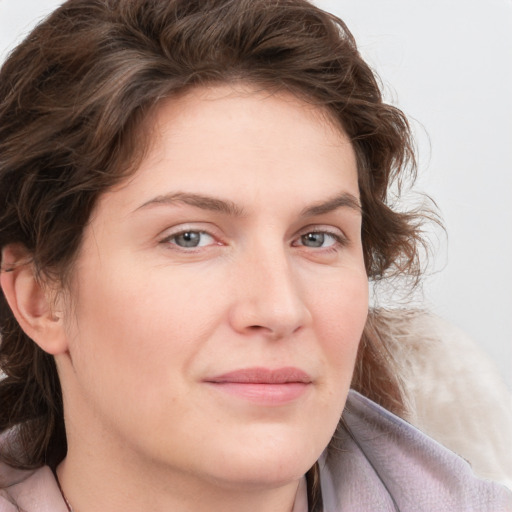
pixel 31 302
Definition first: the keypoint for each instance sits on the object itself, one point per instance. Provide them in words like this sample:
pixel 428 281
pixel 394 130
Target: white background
pixel 448 65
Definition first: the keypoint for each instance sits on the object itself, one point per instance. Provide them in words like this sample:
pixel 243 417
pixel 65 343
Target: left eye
pixel 190 239
pixel 318 239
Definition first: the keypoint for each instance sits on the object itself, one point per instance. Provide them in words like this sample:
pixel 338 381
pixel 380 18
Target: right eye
pixel 190 239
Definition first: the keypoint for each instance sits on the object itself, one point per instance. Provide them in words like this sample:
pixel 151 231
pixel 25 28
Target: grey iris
pixel 313 239
pixel 188 239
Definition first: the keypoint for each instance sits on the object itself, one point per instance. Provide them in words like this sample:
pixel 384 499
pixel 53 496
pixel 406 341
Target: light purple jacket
pixel 380 463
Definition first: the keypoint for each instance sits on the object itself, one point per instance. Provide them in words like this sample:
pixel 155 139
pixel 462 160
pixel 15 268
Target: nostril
pixel 275 311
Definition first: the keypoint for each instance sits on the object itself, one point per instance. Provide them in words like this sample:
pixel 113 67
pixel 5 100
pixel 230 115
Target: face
pixel 220 294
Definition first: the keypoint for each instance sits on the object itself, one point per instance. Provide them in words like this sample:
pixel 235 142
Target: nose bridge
pixel 270 297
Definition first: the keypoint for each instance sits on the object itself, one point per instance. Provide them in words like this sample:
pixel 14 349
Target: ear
pixel 31 301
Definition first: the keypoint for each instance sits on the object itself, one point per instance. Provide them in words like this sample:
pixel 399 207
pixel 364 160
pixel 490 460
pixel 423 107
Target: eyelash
pixel 168 239
pixel 340 240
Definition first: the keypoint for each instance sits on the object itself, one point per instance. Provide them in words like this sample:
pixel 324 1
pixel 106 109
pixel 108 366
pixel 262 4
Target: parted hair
pixel 73 99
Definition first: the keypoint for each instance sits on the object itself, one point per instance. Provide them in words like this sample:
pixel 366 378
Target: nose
pixel 268 296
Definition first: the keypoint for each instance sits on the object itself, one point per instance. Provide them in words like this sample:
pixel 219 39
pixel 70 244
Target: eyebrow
pixel 227 207
pixel 343 200
pixel 199 201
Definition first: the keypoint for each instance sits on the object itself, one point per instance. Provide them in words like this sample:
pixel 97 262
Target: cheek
pixel 145 323
pixel 340 317
pixel 131 339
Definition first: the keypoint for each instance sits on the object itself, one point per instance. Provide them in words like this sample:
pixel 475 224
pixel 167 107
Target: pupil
pixel 188 239
pixel 313 239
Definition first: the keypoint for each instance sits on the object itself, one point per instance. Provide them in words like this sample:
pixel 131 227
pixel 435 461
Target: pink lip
pixel 262 385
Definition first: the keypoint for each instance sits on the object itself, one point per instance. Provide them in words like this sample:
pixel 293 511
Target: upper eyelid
pixel 185 226
pixel 183 231
pixel 168 240
pixel 216 233
pixel 319 228
pixel 340 239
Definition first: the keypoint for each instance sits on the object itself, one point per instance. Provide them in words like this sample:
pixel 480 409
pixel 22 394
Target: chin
pixel 271 465
pixel 261 475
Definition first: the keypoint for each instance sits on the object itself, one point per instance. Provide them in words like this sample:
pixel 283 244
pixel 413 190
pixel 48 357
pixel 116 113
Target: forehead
pixel 245 99
pixel 238 140
pixel 202 101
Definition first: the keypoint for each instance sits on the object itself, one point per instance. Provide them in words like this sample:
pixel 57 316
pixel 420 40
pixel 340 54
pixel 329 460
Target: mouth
pixel 262 385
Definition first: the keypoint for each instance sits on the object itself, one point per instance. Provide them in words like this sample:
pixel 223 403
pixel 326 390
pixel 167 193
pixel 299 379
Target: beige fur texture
pixel 455 394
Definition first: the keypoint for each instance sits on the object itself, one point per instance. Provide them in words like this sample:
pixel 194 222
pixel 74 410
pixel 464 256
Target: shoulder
pixel 380 462
pixel 29 491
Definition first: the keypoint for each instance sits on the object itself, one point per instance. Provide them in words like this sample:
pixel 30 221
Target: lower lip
pixel 262 393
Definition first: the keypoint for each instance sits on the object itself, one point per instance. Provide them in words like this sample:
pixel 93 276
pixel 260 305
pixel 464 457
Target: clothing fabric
pixel 454 392
pixel 381 463
pixel 376 463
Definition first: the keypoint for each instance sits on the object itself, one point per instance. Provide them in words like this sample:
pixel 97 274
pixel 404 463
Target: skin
pixel 277 280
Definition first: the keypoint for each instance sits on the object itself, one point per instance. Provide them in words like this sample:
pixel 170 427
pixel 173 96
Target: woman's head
pixel 82 99
pixel 217 298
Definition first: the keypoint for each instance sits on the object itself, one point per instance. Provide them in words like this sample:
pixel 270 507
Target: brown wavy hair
pixel 73 96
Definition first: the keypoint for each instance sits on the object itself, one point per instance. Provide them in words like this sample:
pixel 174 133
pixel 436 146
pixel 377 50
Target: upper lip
pixel 260 375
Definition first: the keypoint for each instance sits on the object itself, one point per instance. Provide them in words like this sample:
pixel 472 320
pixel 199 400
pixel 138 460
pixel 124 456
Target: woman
pixel 193 198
